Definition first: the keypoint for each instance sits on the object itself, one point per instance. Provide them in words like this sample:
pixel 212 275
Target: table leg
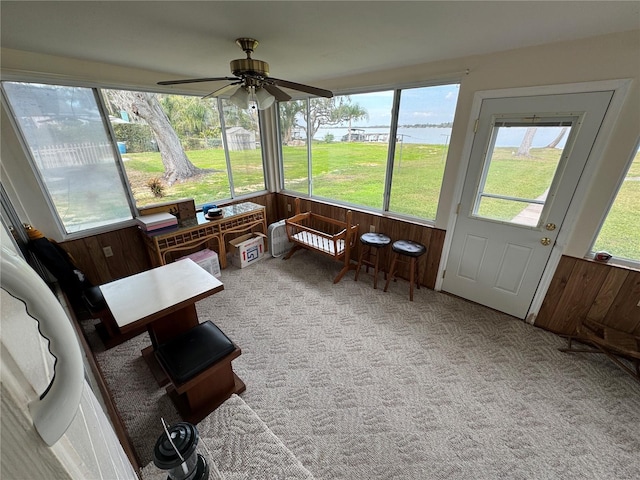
pixel 172 324
pixel 223 252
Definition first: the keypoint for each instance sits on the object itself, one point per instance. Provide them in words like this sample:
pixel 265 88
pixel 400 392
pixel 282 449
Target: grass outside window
pixel 620 233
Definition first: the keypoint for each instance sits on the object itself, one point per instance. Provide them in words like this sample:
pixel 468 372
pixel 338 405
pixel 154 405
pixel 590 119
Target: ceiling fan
pixel 252 80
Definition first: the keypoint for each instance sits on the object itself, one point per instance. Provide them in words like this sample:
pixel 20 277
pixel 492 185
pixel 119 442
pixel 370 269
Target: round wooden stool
pixel 371 243
pixel 410 249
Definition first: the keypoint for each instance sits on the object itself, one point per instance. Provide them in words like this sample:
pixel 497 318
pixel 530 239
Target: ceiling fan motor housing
pixel 249 66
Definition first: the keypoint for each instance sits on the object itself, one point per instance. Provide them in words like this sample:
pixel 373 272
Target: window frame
pixel 44 190
pixel 396 90
pixel 618 261
pixel 96 89
pixel 523 121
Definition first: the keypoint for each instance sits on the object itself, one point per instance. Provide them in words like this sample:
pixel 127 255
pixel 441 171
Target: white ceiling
pixel 303 41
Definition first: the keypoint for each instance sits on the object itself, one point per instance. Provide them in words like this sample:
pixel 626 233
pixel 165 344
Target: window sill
pixel 363 210
pixel 616 262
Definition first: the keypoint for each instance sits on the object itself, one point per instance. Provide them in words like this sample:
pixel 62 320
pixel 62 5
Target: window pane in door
pixel 425 119
pixel 72 152
pixel 519 170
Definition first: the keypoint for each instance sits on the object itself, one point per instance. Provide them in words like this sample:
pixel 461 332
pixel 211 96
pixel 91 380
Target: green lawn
pixel 355 173
pixel 212 185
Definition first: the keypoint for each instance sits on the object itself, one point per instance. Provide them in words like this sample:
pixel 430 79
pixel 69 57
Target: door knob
pixel 545 241
pixel 550 226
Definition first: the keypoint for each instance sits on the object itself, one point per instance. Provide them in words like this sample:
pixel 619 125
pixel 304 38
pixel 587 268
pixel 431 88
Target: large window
pixel 425 119
pixel 73 153
pixel 349 162
pixel 620 232
pixel 98 152
pixel 172 146
pixel 383 150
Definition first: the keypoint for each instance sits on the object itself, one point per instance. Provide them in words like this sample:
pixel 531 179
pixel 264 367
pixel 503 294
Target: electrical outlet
pixel 372 229
pixel 288 206
pixel 107 252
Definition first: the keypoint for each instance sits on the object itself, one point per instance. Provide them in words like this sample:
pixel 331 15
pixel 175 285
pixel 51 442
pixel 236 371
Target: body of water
pixel 509 137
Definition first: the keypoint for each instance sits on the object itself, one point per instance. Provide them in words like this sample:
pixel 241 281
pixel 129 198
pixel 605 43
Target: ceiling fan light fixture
pixel 240 98
pixel 263 98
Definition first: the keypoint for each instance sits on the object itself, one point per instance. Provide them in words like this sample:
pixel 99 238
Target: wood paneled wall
pixel 588 289
pixel 270 202
pixel 129 255
pixel 432 238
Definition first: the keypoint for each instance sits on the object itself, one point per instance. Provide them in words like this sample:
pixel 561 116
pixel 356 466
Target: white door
pixel 526 160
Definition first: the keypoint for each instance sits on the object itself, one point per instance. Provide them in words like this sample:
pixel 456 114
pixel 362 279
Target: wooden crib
pixel 327 236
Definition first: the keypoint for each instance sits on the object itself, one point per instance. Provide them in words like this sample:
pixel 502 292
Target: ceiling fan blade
pixel 276 92
pixel 222 90
pixel 320 92
pixel 196 80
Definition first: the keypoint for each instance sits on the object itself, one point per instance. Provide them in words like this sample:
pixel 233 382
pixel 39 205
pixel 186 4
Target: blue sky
pixel 417 105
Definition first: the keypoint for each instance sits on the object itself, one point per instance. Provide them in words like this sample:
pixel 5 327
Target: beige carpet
pixel 361 384
pixel 234 438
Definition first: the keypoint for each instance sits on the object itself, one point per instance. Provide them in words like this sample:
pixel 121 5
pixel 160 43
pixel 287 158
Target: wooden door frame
pixel 620 88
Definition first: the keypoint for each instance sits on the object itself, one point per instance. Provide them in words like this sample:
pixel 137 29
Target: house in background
pixel 598 50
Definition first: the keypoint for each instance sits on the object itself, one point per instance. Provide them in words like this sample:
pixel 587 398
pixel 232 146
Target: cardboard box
pixel 247 249
pixel 207 259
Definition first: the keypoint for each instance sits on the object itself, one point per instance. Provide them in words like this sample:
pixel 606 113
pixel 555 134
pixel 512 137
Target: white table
pixel 149 295
pixel 162 299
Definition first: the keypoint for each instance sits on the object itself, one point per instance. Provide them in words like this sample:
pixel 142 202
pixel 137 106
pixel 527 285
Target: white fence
pixel 73 154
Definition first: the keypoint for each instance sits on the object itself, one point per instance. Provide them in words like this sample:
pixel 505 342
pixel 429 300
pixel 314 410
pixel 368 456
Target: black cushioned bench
pixel 198 364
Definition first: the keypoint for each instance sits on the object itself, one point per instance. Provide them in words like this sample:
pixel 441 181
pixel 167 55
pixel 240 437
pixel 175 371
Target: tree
pixel 177 167
pixel 556 140
pixel 351 111
pixel 288 113
pixel 323 111
pixel 527 141
pixel 190 116
pixel 240 117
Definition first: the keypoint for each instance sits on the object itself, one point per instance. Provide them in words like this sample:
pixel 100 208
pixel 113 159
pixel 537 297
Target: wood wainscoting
pixel 588 289
pixel 129 255
pixel 430 237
